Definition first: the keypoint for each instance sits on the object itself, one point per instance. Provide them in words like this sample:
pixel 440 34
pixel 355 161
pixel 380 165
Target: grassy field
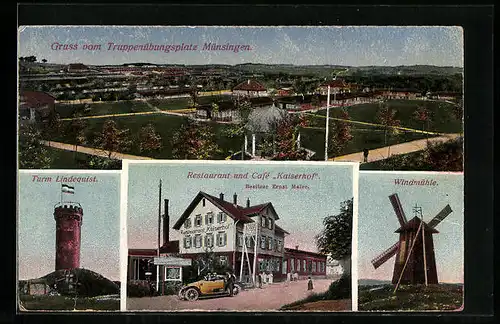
pixel 182 103
pixel 411 298
pixel 66 303
pixel 443 119
pixel 106 108
pixel 166 125
pixel 363 137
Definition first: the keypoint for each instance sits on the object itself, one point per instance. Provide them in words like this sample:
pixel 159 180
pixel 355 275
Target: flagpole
pixel 327 122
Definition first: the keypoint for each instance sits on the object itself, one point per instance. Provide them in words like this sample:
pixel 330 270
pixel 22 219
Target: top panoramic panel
pixel 388 97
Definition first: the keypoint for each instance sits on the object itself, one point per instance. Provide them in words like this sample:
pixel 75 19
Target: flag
pixel 68 189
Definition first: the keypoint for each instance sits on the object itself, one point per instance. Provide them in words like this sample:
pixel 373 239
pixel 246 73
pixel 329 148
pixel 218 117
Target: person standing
pixel 259 278
pixel 230 283
pixel 310 284
pixel 365 155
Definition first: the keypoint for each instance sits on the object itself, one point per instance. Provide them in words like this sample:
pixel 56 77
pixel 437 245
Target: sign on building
pixel 170 261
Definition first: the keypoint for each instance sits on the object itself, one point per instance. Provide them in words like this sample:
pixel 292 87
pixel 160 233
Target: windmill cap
pixel 413 224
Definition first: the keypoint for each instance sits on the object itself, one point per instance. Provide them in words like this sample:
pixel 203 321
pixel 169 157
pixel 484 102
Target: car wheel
pixel 236 290
pixel 181 294
pixel 191 294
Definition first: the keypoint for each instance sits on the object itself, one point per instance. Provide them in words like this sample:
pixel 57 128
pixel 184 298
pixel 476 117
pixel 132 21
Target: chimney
pixel 235 199
pixel 248 202
pixel 221 196
pixel 296 247
pixel 166 224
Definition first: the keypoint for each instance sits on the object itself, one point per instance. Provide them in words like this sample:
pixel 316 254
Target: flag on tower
pixel 68 189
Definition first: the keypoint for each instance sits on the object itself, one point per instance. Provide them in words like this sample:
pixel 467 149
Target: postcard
pixel 411 241
pixel 68 243
pixel 238 236
pixel 388 97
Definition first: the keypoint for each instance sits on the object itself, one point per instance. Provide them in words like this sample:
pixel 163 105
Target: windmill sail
pixel 440 216
pixel 386 255
pixel 398 209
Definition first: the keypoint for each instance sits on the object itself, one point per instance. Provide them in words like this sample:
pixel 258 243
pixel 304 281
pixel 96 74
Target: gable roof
pixel 234 211
pixel 253 210
pixel 250 85
pixel 35 99
pixel 279 229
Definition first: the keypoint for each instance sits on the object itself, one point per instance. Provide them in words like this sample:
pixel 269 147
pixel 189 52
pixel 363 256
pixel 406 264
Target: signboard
pixel 179 262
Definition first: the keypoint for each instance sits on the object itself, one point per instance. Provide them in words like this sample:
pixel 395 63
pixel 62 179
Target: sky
pixel 377 220
pixel 340 45
pixel 300 212
pixel 100 236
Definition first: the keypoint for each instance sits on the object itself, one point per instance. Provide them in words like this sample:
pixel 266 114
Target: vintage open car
pixel 210 285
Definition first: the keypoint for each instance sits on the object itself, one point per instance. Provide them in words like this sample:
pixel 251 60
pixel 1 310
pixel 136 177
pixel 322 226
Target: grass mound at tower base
pixel 442 297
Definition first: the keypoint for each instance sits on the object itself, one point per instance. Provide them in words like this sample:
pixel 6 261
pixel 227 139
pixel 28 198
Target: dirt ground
pixel 270 298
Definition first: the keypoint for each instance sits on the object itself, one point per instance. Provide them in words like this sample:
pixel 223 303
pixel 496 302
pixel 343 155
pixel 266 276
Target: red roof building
pixel 251 88
pixel 35 105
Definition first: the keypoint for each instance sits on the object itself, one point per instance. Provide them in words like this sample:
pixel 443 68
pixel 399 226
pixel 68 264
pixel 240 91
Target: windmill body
pixel 415 259
pixel 409 236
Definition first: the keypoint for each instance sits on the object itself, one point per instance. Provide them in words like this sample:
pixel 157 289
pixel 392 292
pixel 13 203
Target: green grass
pixel 443 119
pixel 66 303
pixel 363 137
pixel 183 103
pixel 419 297
pixel 165 125
pixel 105 108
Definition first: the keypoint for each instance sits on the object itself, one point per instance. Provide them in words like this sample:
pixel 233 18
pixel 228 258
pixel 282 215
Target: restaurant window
pixel 203 202
pixel 263 221
pixel 249 242
pixel 262 242
pixel 275 244
pixel 240 238
pixel 197 220
pixel 187 223
pixel 270 224
pixel 221 217
pixel 223 259
pixel 314 266
pixel 209 218
pixel 304 265
pixel 221 239
pixel 187 242
pixel 279 246
pixel 197 241
pixel 298 264
pixel 269 243
pixel 292 264
pixel 209 240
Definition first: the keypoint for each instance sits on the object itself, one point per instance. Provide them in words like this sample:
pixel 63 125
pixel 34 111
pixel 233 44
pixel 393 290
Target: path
pixel 403 148
pixel 93 151
pixel 270 297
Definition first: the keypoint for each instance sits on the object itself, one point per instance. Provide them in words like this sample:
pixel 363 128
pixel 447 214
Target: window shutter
pixel 225 239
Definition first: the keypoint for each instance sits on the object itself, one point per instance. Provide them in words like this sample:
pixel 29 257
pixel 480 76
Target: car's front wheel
pixel 191 294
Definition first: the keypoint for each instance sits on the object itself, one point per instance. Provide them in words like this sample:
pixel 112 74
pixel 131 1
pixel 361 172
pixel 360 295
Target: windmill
pixel 415 261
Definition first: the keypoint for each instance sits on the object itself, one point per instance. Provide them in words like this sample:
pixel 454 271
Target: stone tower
pixel 68 218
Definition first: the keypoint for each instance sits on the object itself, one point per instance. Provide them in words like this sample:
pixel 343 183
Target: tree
pixel 387 117
pixel 149 139
pixel 32 153
pixel 336 237
pixel 287 131
pixel 76 131
pixel 300 87
pixel 422 115
pixel 194 141
pixel 52 126
pixel 112 139
pixel 44 61
pixel 209 262
pixel 339 135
